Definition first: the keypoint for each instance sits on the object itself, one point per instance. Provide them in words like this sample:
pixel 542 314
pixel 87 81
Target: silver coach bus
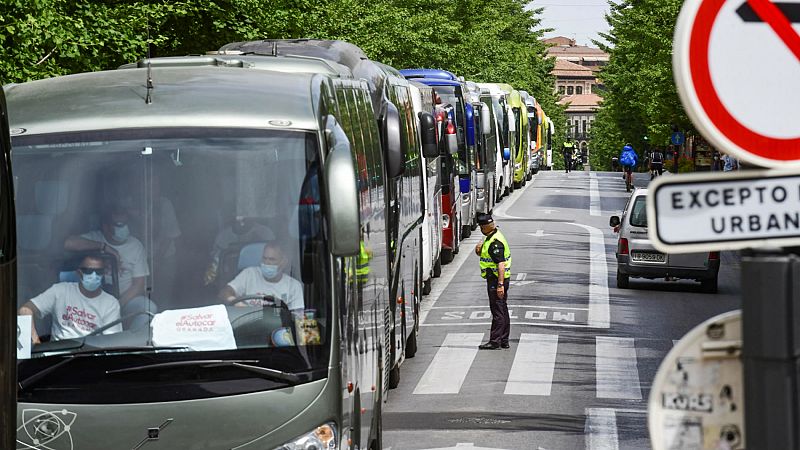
pixel 183 187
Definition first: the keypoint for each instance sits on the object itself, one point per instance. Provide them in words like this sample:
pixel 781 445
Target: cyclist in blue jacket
pixel 628 159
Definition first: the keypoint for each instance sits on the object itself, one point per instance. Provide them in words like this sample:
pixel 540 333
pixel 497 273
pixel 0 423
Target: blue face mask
pixel 92 281
pixel 269 271
pixel 121 234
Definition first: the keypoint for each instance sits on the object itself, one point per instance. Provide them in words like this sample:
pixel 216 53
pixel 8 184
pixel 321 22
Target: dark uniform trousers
pixel 501 322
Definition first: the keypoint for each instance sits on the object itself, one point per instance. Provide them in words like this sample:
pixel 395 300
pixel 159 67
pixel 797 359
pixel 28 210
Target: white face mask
pixel 121 233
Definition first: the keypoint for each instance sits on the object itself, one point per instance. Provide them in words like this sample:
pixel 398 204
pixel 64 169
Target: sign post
pixel 736 66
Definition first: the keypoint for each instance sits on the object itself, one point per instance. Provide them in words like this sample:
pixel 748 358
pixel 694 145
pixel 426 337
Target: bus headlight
pixel 445 221
pixel 322 438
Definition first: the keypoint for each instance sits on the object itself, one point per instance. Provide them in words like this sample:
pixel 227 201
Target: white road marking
pixel 675 341
pixel 601 429
pixel 594 196
pixel 617 372
pixel 547 211
pixel 520 281
pixel 448 272
pixel 513 323
pixel 534 364
pixel 512 307
pixel 449 368
pixel 539 233
pixel 599 309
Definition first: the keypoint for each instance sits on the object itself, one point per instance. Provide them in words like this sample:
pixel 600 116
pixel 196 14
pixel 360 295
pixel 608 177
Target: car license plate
pixel 649 257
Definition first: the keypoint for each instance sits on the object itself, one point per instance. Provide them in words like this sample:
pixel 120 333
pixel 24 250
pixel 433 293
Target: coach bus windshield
pixel 143 255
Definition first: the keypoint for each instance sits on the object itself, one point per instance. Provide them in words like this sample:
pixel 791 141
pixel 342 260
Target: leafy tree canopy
pixel 641 98
pixel 482 40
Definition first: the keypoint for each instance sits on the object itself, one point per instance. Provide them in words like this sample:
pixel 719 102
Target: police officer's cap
pixel 485 219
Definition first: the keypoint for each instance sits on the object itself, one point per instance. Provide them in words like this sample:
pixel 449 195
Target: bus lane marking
pixel 599 309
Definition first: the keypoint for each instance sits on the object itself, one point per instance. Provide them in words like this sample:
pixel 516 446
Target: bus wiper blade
pixel 33 379
pixel 27 382
pixel 245 364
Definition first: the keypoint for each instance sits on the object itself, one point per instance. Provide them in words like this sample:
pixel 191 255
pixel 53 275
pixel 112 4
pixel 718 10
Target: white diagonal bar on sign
pixel 449 368
pixel 534 364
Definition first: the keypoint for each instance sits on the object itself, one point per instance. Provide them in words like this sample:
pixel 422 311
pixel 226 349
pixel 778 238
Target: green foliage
pixel 484 41
pixel 685 165
pixel 641 98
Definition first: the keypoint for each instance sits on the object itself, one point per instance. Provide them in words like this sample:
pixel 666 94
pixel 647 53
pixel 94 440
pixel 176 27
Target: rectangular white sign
pixel 724 211
pixel 24 343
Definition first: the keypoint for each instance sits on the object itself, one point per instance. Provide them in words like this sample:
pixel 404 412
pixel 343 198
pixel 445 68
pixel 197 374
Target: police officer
pixel 495 261
pixel 568 152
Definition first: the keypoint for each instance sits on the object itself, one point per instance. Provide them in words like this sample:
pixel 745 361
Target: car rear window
pixel 639 212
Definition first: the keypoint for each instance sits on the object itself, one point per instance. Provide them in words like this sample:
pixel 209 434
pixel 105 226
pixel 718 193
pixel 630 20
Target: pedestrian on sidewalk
pixel 495 263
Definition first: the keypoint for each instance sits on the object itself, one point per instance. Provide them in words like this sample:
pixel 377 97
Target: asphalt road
pixel 583 353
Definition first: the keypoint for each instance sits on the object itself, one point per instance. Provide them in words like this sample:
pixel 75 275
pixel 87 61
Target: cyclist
pixel 628 159
pixel 656 163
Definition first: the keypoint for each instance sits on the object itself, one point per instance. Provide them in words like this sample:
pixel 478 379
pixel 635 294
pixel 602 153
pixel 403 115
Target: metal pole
pixel 771 350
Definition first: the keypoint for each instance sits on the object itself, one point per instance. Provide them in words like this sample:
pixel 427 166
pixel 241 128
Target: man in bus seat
pixel 114 238
pixel 268 278
pixel 76 308
pixel 243 230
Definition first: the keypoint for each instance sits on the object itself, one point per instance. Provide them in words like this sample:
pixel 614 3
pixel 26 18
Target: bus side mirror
pixel 390 138
pixel 342 192
pixel 469 112
pixel 427 129
pixel 486 120
pixel 614 221
pixel 512 122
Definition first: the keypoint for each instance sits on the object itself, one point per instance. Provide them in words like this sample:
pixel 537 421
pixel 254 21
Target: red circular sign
pixel 749 140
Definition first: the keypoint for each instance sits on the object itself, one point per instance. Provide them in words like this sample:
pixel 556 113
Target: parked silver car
pixel 637 258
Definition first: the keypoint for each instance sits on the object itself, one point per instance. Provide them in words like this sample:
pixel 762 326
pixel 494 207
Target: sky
pixel 581 20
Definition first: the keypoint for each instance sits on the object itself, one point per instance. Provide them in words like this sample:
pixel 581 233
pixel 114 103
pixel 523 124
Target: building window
pixel 585 130
pixel 579 90
pixel 570 90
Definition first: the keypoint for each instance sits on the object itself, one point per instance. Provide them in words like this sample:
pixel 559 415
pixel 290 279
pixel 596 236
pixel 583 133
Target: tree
pixel 641 98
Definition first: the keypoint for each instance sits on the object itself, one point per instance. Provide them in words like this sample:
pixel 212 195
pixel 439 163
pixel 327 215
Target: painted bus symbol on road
pixel 519 314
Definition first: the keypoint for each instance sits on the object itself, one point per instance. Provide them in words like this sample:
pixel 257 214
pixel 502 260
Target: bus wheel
pixel 427 286
pixel 466 231
pixel 437 267
pixel 411 347
pixel 377 441
pixel 446 257
pixel 394 377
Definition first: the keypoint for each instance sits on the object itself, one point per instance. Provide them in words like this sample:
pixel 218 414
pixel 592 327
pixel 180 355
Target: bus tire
pixel 427 286
pixel 394 377
pixel 437 267
pixel 446 256
pixel 377 439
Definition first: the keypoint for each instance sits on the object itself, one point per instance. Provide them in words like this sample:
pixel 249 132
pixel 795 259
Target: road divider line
pixel 594 196
pixel 533 366
pixel 449 367
pixel 617 371
pixel 511 307
pixel 448 273
pixel 601 429
pixel 599 308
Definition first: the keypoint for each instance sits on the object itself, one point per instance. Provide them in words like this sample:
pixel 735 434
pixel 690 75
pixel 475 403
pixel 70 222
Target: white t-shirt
pixel 75 315
pixel 251 282
pixel 133 259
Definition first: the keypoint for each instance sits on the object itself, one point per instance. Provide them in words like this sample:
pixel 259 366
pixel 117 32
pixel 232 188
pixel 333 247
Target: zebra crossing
pixel 534 364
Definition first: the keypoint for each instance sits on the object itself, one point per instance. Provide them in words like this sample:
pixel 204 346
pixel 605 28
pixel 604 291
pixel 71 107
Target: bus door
pixel 8 288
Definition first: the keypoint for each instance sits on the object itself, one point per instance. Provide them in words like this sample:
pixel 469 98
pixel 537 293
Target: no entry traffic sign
pixel 737 66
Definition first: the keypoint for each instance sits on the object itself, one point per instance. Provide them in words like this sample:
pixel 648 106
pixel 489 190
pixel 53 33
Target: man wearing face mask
pixel 266 279
pixel 495 264
pixel 79 308
pixel 241 231
pixel 114 238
